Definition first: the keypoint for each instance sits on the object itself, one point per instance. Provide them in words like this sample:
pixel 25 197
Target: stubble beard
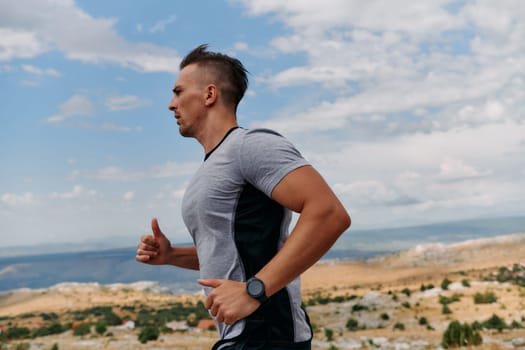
pixel 185 131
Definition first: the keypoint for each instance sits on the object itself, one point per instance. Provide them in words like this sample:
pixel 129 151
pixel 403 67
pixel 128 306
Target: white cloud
pixel 377 15
pixel 240 46
pixel 447 175
pixel 114 173
pixel 26 34
pixel 38 71
pixel 369 192
pixel 461 63
pixel 76 105
pixel 161 25
pixel 125 102
pixel 19 43
pixel 18 200
pixel 78 192
pixel 457 169
pixel 114 127
pixel 56 118
pixel 129 196
pixel 179 193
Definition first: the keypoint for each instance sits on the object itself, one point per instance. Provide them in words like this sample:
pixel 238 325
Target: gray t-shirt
pixel 237 228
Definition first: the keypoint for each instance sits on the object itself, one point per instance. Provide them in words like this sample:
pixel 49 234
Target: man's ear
pixel 212 93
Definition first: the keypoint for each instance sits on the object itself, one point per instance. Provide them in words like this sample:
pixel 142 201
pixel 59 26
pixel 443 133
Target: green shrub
pixel 504 275
pixel 144 317
pixel 192 320
pixel 352 324
pixel 476 325
pixel 446 310
pixel 359 307
pixel 423 321
pixel 465 283
pixel 446 282
pixel 17 333
pixel 318 298
pixel 82 329
pixel 485 298
pixel 406 291
pixel 384 316
pixel 148 333
pixel 112 319
pixel 449 300
pixel 49 317
pixel 400 326
pixel 425 287
pixel 495 322
pixel 329 334
pixel 101 327
pixel 458 334
pixel 23 346
pixel 53 328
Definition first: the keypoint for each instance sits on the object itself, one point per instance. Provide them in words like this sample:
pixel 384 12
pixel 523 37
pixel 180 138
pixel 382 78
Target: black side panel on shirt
pixel 258 221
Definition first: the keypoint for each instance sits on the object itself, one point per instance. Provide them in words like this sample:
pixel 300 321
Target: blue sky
pixel 412 111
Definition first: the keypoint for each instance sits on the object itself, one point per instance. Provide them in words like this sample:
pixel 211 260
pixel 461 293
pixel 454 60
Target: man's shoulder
pixel 261 135
pixel 262 131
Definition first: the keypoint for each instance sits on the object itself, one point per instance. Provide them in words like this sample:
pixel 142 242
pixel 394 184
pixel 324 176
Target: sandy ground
pixel 423 264
pixel 374 281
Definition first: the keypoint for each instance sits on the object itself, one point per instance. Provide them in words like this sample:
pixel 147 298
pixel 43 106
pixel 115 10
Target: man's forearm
pixel 185 257
pixel 315 232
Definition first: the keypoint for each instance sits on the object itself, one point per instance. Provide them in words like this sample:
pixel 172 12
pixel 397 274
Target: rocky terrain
pixel 398 301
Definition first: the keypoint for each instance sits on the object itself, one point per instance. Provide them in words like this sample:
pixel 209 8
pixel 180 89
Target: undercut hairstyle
pixel 228 73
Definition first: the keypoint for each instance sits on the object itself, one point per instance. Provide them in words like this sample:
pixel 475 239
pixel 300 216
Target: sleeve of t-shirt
pixel 266 158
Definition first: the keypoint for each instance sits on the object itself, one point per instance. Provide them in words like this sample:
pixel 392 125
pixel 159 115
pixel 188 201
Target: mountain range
pixel 118 265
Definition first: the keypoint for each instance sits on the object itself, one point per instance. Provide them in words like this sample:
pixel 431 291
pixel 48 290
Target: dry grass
pixel 384 278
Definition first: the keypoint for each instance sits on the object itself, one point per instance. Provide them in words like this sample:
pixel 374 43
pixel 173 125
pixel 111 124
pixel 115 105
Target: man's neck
pixel 214 134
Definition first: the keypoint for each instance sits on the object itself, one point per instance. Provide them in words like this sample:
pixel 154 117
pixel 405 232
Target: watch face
pixel 255 288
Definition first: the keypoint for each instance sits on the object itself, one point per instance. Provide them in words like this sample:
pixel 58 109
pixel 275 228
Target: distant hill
pixel 402 238
pixel 119 265
pixel 105 267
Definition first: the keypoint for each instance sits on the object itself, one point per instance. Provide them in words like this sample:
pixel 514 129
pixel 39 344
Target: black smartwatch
pixel 255 288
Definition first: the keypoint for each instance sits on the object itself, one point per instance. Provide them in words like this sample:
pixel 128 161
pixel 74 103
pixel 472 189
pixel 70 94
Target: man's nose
pixel 172 105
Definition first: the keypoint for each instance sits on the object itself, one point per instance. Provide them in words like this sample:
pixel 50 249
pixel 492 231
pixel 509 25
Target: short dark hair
pixel 230 74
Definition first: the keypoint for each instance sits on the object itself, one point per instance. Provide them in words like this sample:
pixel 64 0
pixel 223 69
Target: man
pixel 237 209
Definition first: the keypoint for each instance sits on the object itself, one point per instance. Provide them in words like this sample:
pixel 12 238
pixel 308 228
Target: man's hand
pixel 154 249
pixel 228 302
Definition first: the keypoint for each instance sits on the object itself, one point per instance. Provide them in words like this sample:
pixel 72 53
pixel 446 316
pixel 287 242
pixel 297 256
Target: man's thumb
pixel 157 233
pixel 211 282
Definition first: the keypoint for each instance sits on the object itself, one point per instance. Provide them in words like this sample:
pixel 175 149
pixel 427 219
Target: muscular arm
pixel 184 257
pixel 321 221
pixel 156 249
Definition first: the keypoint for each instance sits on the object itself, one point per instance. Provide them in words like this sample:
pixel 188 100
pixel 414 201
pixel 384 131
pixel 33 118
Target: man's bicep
pixel 300 186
